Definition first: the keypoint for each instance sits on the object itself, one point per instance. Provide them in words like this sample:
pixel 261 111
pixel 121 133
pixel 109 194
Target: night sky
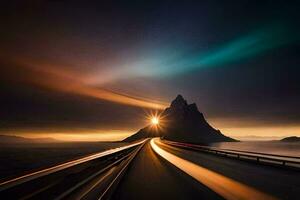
pixel 93 71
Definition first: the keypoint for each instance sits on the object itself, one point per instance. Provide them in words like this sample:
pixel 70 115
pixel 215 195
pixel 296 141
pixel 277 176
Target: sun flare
pixel 155 120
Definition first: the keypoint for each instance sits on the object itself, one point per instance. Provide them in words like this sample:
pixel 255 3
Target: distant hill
pixel 258 138
pixel 184 124
pixel 291 139
pixel 9 139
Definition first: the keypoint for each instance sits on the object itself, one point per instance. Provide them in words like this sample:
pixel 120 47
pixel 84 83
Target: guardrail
pixel 258 153
pixel 28 177
pixel 285 161
pixel 113 185
pixel 109 189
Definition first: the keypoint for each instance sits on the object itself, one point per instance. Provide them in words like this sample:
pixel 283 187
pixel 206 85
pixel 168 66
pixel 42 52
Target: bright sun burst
pixel 155 120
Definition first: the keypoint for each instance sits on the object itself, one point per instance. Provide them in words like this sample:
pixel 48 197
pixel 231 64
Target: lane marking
pixel 222 185
pixel 95 184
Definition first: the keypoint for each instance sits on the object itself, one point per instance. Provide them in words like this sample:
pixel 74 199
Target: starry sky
pixel 82 71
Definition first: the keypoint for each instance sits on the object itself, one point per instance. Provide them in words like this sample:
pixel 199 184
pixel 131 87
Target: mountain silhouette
pixel 183 123
pixel 291 139
pixel 9 139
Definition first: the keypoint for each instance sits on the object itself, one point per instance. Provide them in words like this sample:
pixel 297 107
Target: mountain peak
pixel 180 97
pixel 179 102
pixel 184 124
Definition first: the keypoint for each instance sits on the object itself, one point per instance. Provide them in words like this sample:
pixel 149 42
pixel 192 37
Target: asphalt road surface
pixel 158 175
pixel 156 170
pixel 151 177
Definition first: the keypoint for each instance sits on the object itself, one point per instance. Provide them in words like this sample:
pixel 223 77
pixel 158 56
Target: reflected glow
pixel 244 129
pixel 222 185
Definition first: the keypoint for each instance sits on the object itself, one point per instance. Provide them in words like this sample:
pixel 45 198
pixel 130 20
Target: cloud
pixel 60 79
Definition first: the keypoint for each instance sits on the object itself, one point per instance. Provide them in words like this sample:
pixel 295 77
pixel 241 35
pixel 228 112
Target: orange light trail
pixel 224 186
pixel 59 79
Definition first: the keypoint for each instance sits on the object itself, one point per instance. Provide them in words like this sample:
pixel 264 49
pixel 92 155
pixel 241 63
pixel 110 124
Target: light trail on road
pixel 44 172
pixel 222 185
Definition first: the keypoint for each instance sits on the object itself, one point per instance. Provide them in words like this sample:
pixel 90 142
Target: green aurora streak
pixel 251 45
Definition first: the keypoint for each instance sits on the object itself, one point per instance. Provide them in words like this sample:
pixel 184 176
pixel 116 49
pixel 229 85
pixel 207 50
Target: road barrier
pixel 263 158
pixel 32 176
pixel 113 185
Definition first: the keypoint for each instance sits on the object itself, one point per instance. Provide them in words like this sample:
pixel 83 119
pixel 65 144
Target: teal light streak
pixel 249 46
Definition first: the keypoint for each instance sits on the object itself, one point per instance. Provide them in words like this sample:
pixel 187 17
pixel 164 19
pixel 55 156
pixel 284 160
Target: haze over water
pixel 272 147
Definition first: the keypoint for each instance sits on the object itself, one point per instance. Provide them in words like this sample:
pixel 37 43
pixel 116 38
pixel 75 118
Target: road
pixel 150 176
pixel 85 177
pixel 153 169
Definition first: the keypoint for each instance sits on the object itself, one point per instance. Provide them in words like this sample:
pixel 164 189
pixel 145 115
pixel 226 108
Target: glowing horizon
pixel 240 133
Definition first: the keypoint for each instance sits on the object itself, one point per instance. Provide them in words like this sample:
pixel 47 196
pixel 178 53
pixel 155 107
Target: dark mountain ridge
pixel 291 139
pixel 8 139
pixel 184 123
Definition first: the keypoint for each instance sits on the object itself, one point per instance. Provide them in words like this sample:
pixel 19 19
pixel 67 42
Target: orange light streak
pixel 60 79
pixel 224 186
